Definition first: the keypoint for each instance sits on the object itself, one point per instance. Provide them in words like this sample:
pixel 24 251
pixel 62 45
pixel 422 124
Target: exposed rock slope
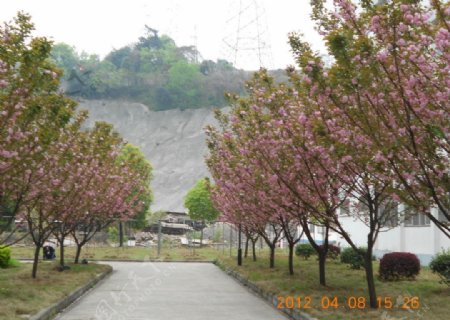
pixel 172 140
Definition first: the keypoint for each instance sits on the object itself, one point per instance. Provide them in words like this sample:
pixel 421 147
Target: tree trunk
pixel 370 279
pixel 120 234
pixel 201 238
pixel 254 249
pixel 77 255
pixel 239 255
pixel 291 258
pixel 61 253
pixel 246 247
pixel 272 257
pixel 323 257
pixel 322 260
pixel 35 261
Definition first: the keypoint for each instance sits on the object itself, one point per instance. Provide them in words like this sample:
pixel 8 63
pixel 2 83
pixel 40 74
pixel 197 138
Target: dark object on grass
pixel 84 261
pixel 63 268
pixel 49 253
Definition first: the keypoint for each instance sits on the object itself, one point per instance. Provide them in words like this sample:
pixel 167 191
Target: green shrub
pixel 304 250
pixel 397 265
pixel 441 265
pixel 13 263
pixel 352 258
pixel 5 256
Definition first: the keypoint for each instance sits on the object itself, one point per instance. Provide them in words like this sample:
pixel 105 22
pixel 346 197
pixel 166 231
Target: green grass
pixel 344 283
pixel 22 296
pixel 129 253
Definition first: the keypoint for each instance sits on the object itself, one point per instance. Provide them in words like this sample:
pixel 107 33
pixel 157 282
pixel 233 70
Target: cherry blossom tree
pixel 389 81
pixel 31 111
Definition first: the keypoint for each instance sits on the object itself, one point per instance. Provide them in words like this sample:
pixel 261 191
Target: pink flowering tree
pixel 300 173
pixel 382 105
pixel 390 82
pixel 31 114
pixel 114 188
pixel 240 193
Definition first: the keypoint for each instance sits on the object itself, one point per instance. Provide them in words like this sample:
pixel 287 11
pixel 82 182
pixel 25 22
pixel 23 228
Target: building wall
pixel 424 241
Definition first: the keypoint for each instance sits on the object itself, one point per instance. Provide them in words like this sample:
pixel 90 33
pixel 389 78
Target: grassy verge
pixel 22 296
pixel 347 286
pixel 130 253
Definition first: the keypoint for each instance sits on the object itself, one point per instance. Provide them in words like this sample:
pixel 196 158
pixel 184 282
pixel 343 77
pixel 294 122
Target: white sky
pixel 97 26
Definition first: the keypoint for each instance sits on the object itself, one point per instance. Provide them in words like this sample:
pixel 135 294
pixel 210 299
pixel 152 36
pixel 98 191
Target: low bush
pixel 13 263
pixel 441 265
pixel 333 251
pixel 398 265
pixel 352 258
pixel 5 256
pixel 304 250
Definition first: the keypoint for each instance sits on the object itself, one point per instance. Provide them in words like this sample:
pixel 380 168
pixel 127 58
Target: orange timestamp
pixel 352 302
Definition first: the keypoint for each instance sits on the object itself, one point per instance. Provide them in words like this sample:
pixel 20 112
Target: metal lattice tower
pixel 246 43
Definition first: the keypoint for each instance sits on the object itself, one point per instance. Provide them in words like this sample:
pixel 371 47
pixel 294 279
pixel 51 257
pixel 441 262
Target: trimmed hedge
pixel 353 258
pixel 5 256
pixel 397 265
pixel 304 250
pixel 441 265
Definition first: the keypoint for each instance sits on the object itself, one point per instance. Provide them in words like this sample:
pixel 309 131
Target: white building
pixel 415 234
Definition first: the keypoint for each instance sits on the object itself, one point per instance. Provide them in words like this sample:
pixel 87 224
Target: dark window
pixel 414 218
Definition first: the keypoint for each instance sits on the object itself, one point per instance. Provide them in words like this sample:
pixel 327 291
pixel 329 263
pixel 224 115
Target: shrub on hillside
pixel 441 265
pixel 397 265
pixel 333 251
pixel 5 256
pixel 304 250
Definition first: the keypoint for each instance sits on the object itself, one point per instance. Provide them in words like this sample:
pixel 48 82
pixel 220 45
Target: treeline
pixel 153 71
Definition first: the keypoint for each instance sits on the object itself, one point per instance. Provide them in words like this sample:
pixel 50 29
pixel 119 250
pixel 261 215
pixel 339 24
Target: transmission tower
pixel 246 43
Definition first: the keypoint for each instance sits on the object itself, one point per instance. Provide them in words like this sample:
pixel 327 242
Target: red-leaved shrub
pixel 396 265
pixel 333 251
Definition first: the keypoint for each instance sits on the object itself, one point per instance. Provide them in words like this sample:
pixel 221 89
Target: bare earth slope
pixel 172 140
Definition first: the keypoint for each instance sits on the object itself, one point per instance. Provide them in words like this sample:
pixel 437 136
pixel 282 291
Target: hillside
pixel 173 141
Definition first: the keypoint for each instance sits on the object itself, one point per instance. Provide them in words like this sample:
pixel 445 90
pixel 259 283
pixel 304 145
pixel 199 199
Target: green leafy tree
pixel 137 162
pixel 199 204
pixel 184 83
pixel 66 57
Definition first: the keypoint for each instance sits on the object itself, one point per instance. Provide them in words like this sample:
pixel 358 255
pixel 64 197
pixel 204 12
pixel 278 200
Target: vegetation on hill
pixel 153 71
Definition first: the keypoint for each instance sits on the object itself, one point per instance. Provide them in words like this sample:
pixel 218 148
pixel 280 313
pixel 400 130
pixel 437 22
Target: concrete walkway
pixel 169 291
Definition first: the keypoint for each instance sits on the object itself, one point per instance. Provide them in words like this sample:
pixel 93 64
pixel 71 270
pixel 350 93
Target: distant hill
pixel 172 140
pixel 153 71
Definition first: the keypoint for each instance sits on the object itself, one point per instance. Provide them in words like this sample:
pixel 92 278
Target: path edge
pixel 51 311
pixel 270 298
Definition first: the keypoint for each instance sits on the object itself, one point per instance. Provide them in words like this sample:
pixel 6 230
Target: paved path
pixel 169 291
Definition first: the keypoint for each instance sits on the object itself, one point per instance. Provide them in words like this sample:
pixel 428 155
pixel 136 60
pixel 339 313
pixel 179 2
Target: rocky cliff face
pixel 172 140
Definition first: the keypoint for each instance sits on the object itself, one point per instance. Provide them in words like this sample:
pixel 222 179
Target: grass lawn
pixel 347 285
pixel 21 296
pixel 129 253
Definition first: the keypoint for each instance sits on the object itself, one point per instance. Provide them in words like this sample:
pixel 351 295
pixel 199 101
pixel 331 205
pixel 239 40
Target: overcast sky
pixel 97 26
